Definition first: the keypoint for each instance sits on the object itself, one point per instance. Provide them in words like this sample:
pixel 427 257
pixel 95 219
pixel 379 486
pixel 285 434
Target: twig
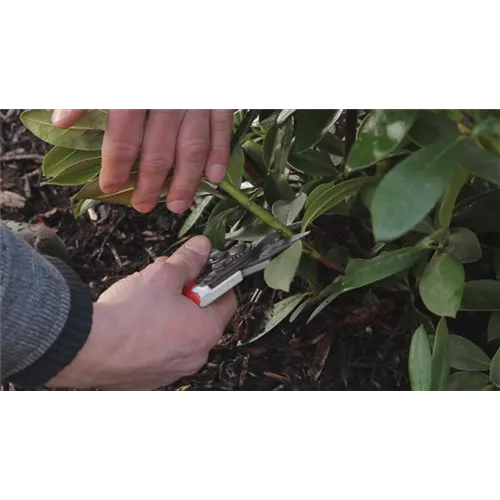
pixel 21 157
pixel 116 256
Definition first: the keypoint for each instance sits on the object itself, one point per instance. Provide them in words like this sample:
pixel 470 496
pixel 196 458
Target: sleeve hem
pixel 71 339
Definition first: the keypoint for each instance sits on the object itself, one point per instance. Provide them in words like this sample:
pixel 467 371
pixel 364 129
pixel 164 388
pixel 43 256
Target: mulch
pixel 349 346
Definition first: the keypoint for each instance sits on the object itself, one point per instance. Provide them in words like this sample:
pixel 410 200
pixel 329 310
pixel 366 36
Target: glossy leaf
pixel 236 166
pixel 481 295
pixel 270 140
pixel 215 229
pixel 431 126
pixel 59 159
pixel 494 326
pixel 420 361
pixel 71 177
pixel 300 309
pixel 464 245
pixel 482 163
pixel 465 355
pixel 440 366
pixel 449 199
pixel 92 191
pixel 442 284
pixel 280 273
pixel 276 188
pixel 287 211
pixel 363 272
pixel 87 134
pixel 381 132
pixel 479 212
pixel 256 154
pixel 331 144
pixel 495 369
pixel 313 162
pixel 411 189
pixel 468 381
pixel 324 304
pixel 284 115
pixel 195 214
pixel 276 314
pixel 83 206
pixel 284 146
pixel 312 125
pixel 327 196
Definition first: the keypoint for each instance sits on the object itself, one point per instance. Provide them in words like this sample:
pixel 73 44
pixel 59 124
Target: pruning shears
pixel 228 268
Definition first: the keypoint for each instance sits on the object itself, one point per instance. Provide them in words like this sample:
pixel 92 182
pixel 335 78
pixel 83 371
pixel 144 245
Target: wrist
pixel 90 366
pixel 73 334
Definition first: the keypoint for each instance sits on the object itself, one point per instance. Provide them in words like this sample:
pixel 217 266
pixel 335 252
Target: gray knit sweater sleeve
pixel 46 313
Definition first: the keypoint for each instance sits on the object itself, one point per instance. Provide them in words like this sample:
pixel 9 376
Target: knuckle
pixel 193 151
pixel 222 119
pixel 156 163
pixel 122 151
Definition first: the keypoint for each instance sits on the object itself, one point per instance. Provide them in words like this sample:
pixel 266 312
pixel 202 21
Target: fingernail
pixel 200 245
pixel 177 206
pixel 59 115
pixel 216 173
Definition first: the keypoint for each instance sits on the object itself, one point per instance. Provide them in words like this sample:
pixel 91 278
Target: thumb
pixel 186 264
pixel 63 118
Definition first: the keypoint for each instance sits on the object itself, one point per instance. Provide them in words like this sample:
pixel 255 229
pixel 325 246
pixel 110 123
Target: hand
pixel 196 140
pixel 145 333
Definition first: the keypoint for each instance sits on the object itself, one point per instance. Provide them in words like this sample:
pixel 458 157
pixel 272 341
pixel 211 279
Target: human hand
pixel 145 333
pixel 196 140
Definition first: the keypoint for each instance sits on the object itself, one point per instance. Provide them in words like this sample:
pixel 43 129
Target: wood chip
pixel 11 200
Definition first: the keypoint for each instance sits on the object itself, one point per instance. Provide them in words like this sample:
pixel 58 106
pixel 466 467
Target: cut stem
pixel 273 223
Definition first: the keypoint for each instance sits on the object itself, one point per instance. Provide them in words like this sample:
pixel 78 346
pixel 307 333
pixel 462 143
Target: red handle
pixel 190 294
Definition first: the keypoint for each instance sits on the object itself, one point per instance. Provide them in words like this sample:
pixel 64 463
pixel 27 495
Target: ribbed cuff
pixel 71 339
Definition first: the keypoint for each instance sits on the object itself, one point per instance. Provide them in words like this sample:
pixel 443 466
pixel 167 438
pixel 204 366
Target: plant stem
pixel 266 217
pixel 253 207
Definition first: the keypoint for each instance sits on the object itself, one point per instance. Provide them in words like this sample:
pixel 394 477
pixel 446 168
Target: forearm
pixel 46 313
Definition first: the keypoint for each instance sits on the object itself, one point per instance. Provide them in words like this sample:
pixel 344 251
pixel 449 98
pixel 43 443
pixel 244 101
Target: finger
pixel 186 264
pixel 191 156
pixel 63 118
pixel 157 156
pixel 221 123
pixel 120 148
pixel 223 309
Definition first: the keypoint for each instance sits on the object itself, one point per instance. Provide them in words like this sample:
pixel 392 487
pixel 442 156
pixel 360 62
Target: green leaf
pixel 287 211
pixel 236 166
pixel 468 381
pixel 465 355
pixel 464 245
pixel 280 272
pixel 71 177
pixel 327 196
pixel 381 132
pixel 440 369
pixel 195 214
pixel 270 140
pixel 494 326
pixel 479 212
pixel 450 197
pixel 275 315
pixel 83 206
pixel 313 162
pixel 325 303
pixel 331 144
pixel 69 167
pixel 283 148
pixel 86 134
pixel 59 159
pixel 215 229
pixel 92 191
pixel 411 189
pixel 300 309
pixel 256 154
pixel 495 369
pixel 420 361
pixel 360 273
pixel 312 125
pixel 442 284
pixel 276 188
pixel 481 295
pixel 481 162
pixel 284 115
pixel 431 126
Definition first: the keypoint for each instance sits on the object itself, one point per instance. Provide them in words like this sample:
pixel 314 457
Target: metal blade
pixel 265 252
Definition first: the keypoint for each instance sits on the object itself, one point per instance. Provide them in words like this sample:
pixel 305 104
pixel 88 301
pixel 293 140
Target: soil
pixel 347 347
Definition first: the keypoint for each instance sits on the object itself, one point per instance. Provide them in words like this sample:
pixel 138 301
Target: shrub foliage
pixel 424 184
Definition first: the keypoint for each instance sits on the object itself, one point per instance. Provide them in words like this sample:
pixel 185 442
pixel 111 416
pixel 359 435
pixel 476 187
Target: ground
pixel 343 348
